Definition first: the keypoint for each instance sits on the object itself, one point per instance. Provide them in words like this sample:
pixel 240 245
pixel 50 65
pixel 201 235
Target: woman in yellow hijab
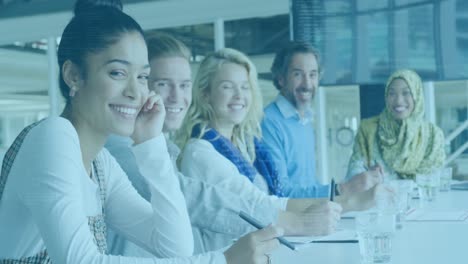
pixel 398 143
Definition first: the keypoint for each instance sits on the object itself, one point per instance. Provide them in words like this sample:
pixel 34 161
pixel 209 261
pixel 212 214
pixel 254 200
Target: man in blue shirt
pixel 287 126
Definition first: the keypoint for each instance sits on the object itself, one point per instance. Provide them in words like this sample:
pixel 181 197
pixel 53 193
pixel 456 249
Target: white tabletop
pixel 416 242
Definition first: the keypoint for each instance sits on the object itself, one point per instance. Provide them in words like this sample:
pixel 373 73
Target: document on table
pixel 436 215
pixel 461 186
pixel 341 236
pixel 349 215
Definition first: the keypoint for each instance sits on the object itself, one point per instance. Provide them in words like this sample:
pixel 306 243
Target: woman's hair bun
pixel 89 6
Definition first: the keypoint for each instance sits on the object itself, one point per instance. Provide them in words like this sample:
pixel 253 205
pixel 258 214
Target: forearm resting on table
pixel 308 223
pixel 301 204
pixel 288 221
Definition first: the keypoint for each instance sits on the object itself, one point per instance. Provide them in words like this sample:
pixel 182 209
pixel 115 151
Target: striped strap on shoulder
pixel 11 155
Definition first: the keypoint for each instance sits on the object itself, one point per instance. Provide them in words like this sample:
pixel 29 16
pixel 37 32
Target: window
pixel 257 35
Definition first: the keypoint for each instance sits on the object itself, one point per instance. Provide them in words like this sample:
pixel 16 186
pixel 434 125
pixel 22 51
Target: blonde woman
pixel 398 143
pixel 223 147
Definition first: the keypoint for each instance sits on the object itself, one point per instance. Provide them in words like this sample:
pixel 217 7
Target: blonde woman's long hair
pixel 201 112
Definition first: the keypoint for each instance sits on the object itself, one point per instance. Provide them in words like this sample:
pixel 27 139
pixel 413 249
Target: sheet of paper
pixel 460 186
pixel 349 215
pixel 432 215
pixel 344 234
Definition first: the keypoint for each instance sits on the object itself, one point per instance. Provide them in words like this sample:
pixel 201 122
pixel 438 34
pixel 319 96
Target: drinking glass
pixel 445 179
pixel 403 192
pixel 428 185
pixel 375 232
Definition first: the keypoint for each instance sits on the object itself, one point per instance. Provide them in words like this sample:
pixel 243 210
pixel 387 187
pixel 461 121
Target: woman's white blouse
pixel 202 161
pixel 49 195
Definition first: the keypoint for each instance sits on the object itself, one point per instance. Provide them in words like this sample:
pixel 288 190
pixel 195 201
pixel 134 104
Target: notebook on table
pixel 460 186
pixel 340 236
pixel 436 215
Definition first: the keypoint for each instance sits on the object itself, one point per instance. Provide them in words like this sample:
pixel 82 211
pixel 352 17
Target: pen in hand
pixel 372 166
pixel 380 170
pixel 254 222
pixel 332 190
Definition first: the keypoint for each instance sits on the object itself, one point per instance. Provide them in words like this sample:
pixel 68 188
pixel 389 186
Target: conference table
pixel 417 242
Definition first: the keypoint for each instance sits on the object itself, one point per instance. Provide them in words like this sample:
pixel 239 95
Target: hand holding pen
pixel 377 170
pixel 254 247
pixel 364 181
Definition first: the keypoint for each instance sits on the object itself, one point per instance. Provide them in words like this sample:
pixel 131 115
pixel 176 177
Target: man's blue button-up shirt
pixel 292 143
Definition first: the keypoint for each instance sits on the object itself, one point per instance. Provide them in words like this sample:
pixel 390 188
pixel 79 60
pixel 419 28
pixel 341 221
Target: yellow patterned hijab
pixel 410 146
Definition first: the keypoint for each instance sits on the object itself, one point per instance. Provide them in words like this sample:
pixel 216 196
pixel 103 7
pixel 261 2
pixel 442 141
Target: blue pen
pixel 332 190
pixel 257 225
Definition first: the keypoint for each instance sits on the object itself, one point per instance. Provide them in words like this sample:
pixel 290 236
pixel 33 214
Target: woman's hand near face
pixel 363 181
pixel 254 247
pixel 150 120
